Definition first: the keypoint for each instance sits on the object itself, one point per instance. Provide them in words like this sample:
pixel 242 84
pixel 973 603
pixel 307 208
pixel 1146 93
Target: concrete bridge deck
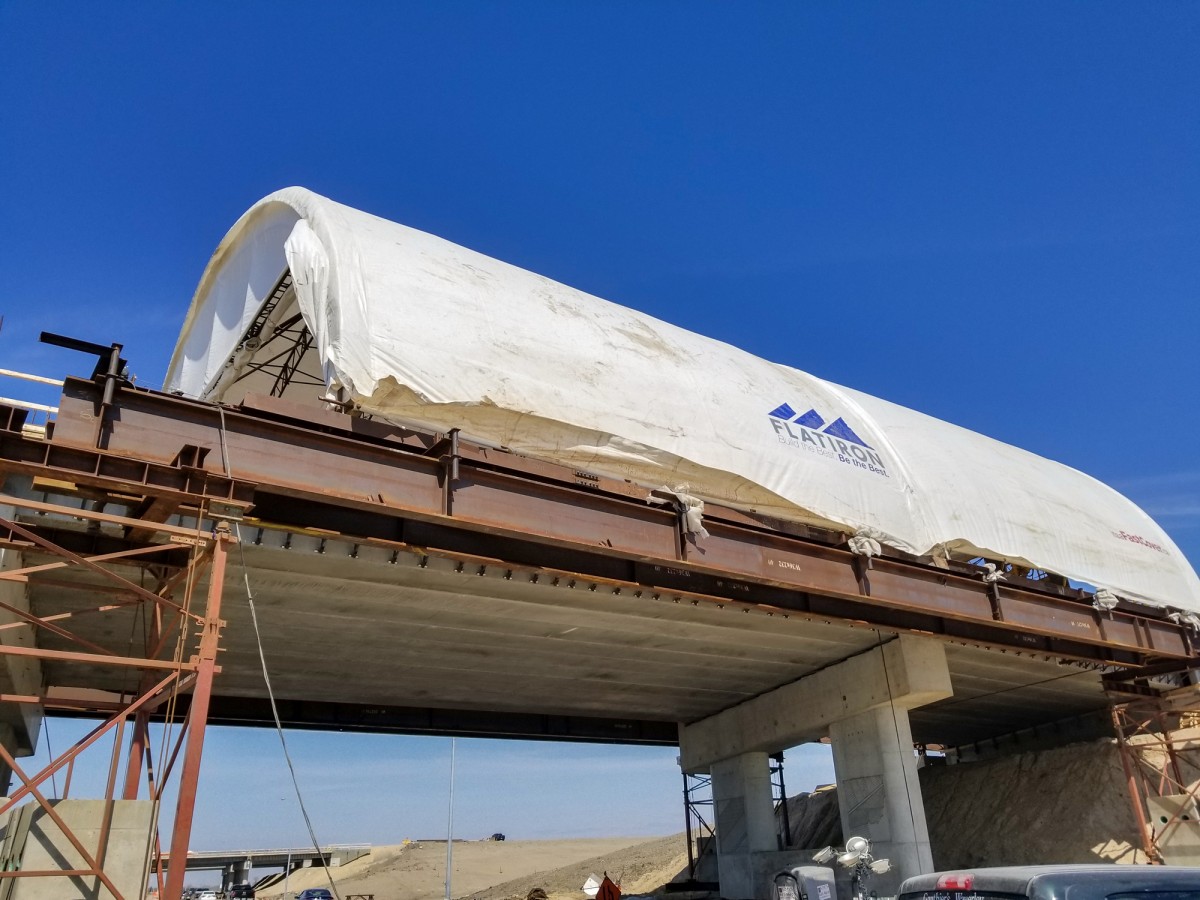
pixel 296 857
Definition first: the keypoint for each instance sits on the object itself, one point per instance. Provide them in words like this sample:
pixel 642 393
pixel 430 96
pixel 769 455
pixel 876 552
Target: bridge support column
pixel 745 819
pixel 879 793
pixel 862 703
pixel 235 873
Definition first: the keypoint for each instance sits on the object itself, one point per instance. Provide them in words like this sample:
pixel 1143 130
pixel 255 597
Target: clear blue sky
pixel 985 211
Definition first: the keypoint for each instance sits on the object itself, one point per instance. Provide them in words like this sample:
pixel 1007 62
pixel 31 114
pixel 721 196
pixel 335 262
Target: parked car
pixel 1091 882
pixel 208 895
pixel 241 892
pixel 315 894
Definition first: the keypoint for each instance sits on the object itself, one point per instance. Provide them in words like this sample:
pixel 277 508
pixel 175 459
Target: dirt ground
pixel 498 870
pixel 1067 804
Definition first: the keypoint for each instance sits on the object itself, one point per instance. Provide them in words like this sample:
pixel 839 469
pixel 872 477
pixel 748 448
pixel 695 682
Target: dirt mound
pixel 1064 805
pixel 814 819
pixel 640 869
pixel 491 870
pixel 1067 804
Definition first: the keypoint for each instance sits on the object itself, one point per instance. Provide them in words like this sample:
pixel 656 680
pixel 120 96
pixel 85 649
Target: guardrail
pixel 39 413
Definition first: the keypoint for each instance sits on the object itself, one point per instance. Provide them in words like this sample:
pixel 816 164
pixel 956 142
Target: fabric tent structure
pixel 316 301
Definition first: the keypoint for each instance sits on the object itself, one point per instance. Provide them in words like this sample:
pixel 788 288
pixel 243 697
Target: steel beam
pixel 377 480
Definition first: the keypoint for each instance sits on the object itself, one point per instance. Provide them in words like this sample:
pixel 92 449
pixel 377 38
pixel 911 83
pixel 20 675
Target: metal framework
pixel 290 338
pixel 1157 737
pixel 178 655
pixel 783 817
pixel 701 835
pixel 378 481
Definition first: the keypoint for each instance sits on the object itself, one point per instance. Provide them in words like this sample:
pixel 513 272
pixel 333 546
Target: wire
pixel 49 754
pixel 1016 687
pixel 262 658
pixel 887 680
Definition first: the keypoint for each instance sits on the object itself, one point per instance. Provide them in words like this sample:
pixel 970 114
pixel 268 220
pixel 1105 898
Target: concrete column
pixel 879 793
pixel 745 821
pixel 862 704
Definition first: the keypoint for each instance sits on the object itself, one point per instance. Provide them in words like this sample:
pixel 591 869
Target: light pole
pixel 450 823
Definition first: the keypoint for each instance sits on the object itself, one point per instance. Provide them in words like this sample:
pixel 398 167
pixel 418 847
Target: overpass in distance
pixel 481 593
pixel 236 865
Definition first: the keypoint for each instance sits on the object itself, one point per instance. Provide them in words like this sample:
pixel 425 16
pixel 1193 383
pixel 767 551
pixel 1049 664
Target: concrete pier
pixel 879 791
pixel 745 819
pixel 862 705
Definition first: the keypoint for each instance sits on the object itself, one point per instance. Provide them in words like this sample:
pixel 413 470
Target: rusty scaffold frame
pixel 177 663
pixel 67 547
pixel 192 627
pixel 1155 723
pixel 701 835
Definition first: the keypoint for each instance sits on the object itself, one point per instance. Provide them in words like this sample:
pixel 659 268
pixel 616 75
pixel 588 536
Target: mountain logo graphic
pixel 814 420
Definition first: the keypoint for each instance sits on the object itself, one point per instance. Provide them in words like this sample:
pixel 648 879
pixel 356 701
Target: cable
pixel 1015 687
pixel 262 658
pixel 896 727
pixel 49 754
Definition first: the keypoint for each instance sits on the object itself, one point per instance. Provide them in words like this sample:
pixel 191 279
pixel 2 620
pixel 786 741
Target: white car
pixel 208 895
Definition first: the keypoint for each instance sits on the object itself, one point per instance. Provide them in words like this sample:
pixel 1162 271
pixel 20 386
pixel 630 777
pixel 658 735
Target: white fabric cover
pixel 422 331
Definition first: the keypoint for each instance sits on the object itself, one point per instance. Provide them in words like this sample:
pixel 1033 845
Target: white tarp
pixel 420 330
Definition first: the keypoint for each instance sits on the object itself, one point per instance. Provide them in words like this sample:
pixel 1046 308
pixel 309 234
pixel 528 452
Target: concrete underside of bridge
pixel 368 637
pixel 412 584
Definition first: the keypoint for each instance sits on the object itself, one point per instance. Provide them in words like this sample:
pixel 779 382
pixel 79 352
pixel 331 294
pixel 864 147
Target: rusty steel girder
pixel 304 467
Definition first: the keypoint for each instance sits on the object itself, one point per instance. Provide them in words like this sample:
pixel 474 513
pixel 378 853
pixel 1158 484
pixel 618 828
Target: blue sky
pixel 984 211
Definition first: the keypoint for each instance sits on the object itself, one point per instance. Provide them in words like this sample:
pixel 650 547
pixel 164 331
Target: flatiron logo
pixel 835 440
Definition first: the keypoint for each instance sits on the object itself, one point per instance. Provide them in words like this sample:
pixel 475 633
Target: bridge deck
pixel 414 582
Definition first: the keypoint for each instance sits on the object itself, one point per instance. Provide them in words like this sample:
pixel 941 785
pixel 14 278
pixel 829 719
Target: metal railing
pixel 39 414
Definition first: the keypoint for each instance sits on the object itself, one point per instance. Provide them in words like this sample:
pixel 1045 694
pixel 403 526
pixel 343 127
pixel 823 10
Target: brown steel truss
pixel 178 657
pixel 1161 762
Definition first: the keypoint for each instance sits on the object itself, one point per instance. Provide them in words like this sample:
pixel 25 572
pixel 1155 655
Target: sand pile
pixel 640 869
pixel 1066 805
pixel 494 870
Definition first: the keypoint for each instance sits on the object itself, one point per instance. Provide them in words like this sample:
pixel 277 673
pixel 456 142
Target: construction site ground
pixel 1062 805
pixel 493 870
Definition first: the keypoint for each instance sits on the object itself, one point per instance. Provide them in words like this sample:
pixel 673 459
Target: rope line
pixel 887 680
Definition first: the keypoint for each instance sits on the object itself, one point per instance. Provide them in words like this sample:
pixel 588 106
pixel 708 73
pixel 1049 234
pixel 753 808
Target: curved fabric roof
pixel 421 331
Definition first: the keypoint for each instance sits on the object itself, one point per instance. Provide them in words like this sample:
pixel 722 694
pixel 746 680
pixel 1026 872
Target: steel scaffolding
pixel 175 667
